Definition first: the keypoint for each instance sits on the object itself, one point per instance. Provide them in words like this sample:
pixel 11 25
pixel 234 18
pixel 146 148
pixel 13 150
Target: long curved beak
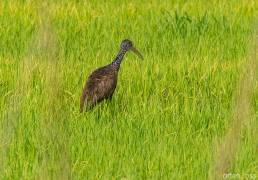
pixel 137 52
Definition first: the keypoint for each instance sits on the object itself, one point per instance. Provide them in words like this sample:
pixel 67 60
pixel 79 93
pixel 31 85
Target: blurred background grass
pixel 168 111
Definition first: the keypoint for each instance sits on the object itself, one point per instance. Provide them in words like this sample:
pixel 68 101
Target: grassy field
pixel 170 114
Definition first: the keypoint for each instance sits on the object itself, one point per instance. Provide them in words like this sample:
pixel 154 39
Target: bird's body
pixel 100 85
pixel 102 82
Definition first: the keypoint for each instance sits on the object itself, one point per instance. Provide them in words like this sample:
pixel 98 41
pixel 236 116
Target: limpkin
pixel 101 84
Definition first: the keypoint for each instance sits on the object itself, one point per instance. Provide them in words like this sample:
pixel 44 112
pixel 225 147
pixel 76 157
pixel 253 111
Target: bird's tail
pixel 82 100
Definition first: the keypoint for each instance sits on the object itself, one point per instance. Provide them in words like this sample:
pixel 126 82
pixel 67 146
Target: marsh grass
pixel 167 111
pixel 226 151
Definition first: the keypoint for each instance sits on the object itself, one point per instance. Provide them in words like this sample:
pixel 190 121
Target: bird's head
pixel 128 45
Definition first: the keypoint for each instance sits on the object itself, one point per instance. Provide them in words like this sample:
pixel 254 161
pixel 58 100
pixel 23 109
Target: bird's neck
pixel 116 63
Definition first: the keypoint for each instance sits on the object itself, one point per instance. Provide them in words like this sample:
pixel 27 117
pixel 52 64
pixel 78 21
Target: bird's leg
pixel 109 98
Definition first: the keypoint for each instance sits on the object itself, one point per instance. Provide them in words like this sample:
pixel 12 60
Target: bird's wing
pixel 100 85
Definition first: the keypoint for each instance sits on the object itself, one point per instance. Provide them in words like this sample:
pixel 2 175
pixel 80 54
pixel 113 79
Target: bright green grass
pixel 168 111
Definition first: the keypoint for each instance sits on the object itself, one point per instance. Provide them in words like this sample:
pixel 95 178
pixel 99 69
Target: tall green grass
pixel 168 112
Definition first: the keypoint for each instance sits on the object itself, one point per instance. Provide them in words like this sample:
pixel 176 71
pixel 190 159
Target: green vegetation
pixel 168 112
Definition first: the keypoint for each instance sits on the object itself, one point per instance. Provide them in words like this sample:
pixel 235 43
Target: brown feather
pixel 100 85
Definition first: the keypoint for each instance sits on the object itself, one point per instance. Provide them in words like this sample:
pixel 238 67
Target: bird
pixel 102 82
